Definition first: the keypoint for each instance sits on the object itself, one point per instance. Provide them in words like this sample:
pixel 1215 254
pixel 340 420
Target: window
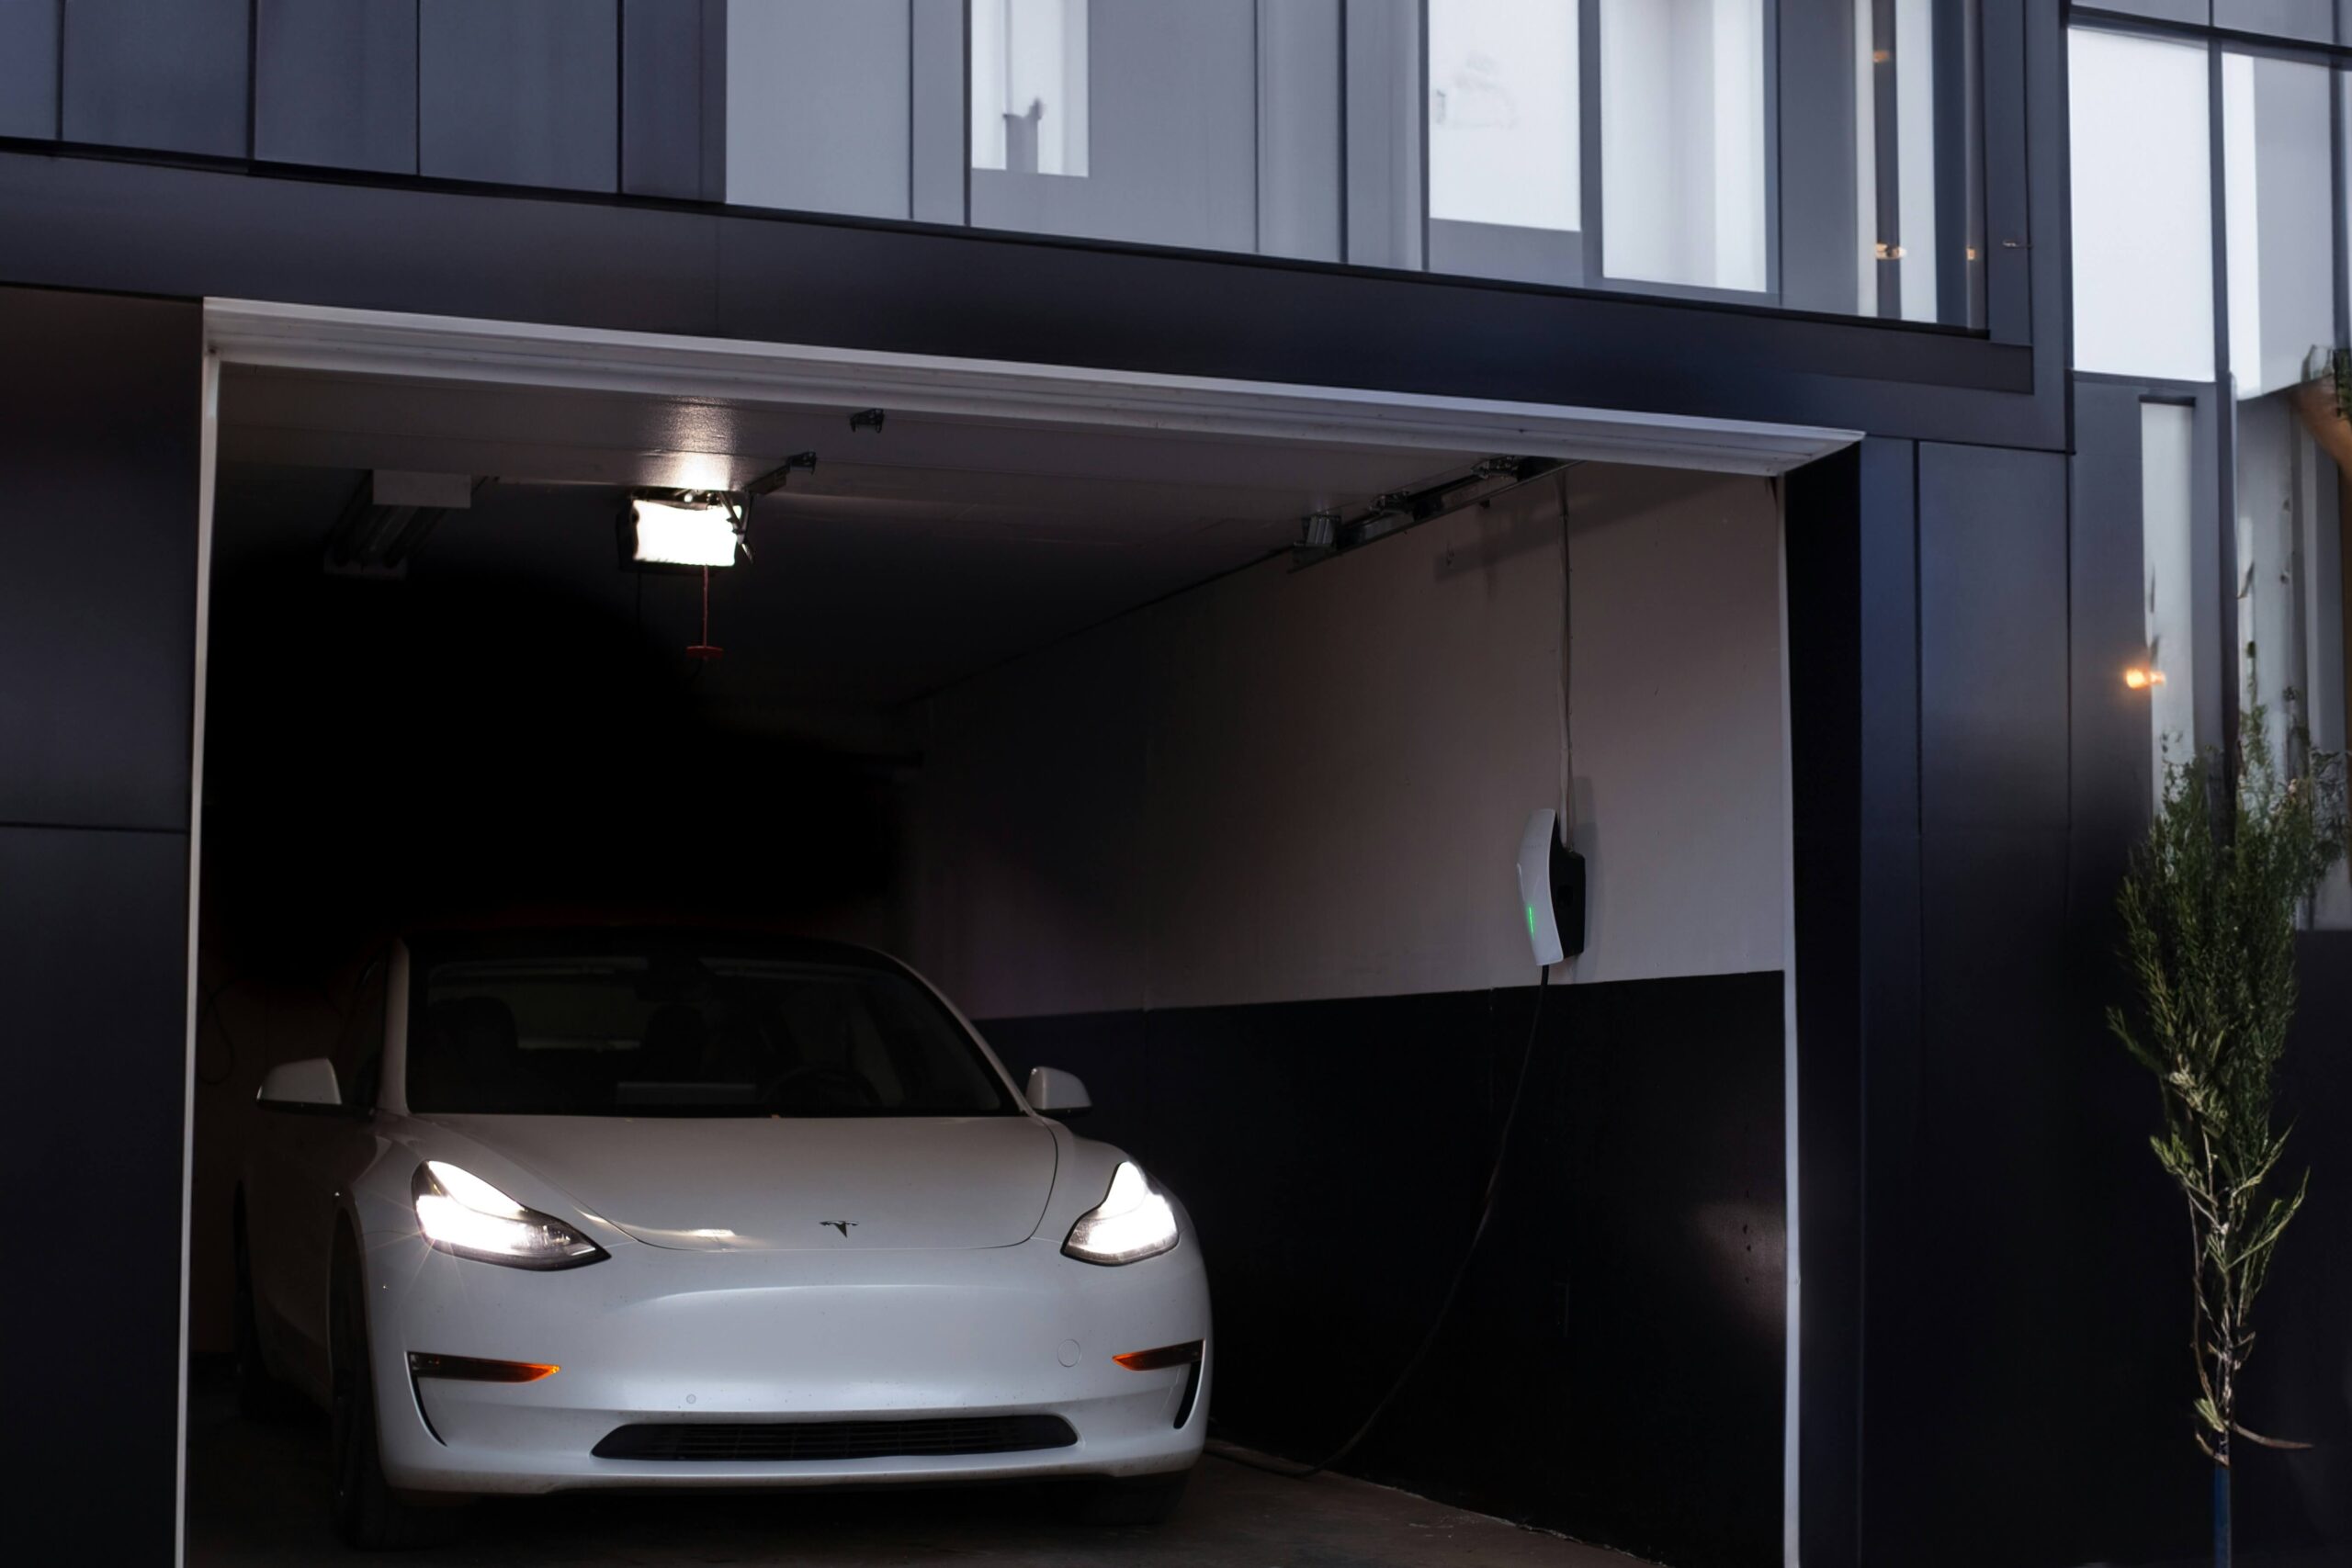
pixel 1029 85
pixel 1118 119
pixel 1824 156
pixel 2278 183
pixel 2167 553
pixel 665 1026
pixel 2143 207
pixel 1913 67
pixel 1683 141
pixel 2145 189
pixel 1505 142
pixel 2278 191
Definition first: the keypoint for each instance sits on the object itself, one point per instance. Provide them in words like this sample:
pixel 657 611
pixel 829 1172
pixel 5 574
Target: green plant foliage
pixel 2209 913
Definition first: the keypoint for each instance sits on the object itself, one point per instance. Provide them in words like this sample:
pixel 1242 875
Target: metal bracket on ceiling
pixel 1323 535
pixel 774 479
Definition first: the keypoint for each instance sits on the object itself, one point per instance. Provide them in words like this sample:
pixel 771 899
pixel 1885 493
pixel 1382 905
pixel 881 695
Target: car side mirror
pixel 306 1084
pixel 1053 1092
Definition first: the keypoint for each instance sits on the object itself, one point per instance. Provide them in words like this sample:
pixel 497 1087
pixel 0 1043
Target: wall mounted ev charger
pixel 1550 890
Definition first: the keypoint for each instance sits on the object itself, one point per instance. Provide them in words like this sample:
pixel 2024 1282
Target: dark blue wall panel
pixel 99 401
pixel 2112 759
pixel 99 404
pixel 1957 1353
pixel 1887 917
pixel 667 96
pixel 2017 1237
pixel 520 92
pixel 92 963
pixel 334 82
pixel 1992 636
pixel 169 77
pixel 89 223
pixel 29 67
pixel 2299 1384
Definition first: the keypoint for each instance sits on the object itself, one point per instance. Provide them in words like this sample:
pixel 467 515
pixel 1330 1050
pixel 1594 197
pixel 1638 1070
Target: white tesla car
pixel 658 1209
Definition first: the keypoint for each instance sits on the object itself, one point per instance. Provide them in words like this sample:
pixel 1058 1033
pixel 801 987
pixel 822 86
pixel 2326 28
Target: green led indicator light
pixel 1531 919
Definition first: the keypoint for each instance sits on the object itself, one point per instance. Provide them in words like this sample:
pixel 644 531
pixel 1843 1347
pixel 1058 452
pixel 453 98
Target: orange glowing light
pixel 1182 1355
pixel 2141 680
pixel 473 1369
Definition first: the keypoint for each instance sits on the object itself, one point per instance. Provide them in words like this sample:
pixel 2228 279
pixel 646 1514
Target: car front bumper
pixel 651 1335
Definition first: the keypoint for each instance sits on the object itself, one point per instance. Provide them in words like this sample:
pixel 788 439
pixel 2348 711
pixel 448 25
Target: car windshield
pixel 680 1032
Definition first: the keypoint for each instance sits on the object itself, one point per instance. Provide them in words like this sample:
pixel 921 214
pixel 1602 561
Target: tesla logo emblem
pixel 842 1225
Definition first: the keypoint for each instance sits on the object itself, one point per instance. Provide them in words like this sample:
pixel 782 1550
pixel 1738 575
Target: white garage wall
pixel 1287 786
pixel 1680 806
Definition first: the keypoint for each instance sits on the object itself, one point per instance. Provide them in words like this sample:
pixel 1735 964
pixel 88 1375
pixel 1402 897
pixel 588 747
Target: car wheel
pixel 367 1514
pixel 260 1396
pixel 1135 1499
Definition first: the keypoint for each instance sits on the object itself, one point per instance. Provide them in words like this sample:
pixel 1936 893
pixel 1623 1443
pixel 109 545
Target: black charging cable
pixel 1445 1308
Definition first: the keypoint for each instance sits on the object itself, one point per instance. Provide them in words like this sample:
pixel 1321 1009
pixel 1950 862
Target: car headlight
pixel 461 1213
pixel 1133 1222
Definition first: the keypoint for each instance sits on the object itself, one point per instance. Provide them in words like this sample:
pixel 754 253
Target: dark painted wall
pixel 1985 1230
pixel 334 83
pixel 29 68
pixel 2300 1384
pixel 1613 1367
pixel 99 403
pixel 1823 551
pixel 167 78
pixel 520 92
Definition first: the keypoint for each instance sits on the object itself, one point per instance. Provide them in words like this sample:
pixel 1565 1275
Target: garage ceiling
pixel 1000 506
pixel 909 559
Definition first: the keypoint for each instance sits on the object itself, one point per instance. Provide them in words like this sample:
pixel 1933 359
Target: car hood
pixel 781 1184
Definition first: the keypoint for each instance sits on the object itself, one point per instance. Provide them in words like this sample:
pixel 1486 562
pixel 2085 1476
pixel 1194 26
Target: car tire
pixel 1134 1499
pixel 368 1515
pixel 260 1396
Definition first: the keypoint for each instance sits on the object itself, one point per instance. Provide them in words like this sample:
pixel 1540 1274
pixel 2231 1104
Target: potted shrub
pixel 2210 909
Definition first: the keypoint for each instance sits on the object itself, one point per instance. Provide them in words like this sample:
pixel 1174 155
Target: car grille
pixel 722 1441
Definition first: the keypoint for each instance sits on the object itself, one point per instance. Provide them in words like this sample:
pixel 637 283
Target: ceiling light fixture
pixel 691 530
pixel 697 529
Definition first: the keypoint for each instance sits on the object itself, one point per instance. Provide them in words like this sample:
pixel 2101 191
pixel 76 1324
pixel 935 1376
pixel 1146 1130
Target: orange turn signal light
pixel 471 1369
pixel 1182 1355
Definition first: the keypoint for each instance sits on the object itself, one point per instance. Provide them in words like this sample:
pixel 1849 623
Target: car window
pixel 359 1038
pixel 361 1093
pixel 673 1033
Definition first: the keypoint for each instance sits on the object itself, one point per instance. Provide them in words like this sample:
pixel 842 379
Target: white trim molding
pixel 448 348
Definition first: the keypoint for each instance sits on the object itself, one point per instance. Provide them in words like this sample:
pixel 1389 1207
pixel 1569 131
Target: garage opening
pixel 1183 734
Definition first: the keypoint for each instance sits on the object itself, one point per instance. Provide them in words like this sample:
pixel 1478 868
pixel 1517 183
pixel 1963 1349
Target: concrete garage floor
pixel 256 1498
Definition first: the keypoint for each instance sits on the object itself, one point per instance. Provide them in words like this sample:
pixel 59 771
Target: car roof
pixel 587 940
